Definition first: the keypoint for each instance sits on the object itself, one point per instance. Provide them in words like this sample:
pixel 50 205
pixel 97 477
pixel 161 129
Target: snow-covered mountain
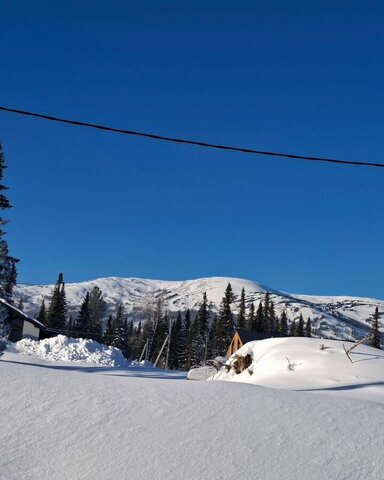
pixel 333 317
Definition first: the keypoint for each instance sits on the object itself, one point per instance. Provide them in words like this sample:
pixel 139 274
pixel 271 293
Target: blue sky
pixel 291 76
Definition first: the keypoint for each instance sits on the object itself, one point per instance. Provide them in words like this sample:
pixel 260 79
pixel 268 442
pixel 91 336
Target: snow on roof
pixel 35 322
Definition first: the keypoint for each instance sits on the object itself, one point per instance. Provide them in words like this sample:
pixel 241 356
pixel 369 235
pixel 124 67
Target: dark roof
pixel 250 335
pixel 22 315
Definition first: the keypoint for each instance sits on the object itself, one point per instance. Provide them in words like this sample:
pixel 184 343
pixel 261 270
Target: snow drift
pixel 298 363
pixel 64 349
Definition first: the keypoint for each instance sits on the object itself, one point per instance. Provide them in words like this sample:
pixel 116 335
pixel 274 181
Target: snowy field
pixel 67 420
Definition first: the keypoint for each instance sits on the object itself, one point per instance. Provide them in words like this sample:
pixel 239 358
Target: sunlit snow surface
pixel 77 421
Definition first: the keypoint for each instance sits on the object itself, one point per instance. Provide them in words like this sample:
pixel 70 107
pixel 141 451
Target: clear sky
pixel 303 77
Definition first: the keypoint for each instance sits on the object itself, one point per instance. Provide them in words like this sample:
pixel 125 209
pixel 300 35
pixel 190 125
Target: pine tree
pixel 187 320
pixel 375 332
pixel 195 341
pixel 118 325
pixel 8 272
pixel 283 324
pixel 56 316
pixel 266 323
pixel 181 351
pixel 224 327
pixel 300 326
pixel 97 309
pixel 42 315
pixel 173 359
pixel 292 330
pixel 251 320
pixel 259 320
pixel 272 319
pixel 82 323
pixel 203 316
pixel 109 334
pixel 241 315
pixel 308 328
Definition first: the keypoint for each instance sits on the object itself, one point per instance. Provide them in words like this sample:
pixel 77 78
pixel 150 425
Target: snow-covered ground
pixel 299 364
pixel 336 317
pixel 76 421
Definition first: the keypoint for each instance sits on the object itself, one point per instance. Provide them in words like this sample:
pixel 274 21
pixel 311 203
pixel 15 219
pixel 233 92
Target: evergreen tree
pixel 97 309
pixel 375 332
pixel 224 327
pixel 266 321
pixel 272 319
pixel 8 272
pixel 181 350
pixel 56 316
pixel 251 320
pixel 308 328
pixel 187 320
pixel 42 315
pixel 109 334
pixel 82 323
pixel 259 320
pixel 241 315
pixel 195 340
pixel 203 316
pixel 283 324
pixel 173 358
pixel 118 324
pixel 292 330
pixel 300 326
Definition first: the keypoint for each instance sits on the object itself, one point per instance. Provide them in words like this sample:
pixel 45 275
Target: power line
pixel 192 142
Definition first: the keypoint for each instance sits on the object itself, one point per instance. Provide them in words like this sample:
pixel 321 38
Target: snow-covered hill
pixel 65 420
pixel 334 317
pixel 299 364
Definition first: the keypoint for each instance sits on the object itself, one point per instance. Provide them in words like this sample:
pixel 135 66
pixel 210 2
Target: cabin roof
pixel 23 315
pixel 250 335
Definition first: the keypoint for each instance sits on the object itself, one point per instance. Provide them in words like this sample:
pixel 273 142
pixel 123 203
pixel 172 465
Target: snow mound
pixel 308 364
pixel 64 349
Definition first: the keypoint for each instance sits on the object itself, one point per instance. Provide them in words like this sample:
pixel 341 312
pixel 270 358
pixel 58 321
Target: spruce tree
pixel 292 329
pixel 375 332
pixel 308 328
pixel 56 316
pixel 42 315
pixel 97 309
pixel 251 320
pixel 259 320
pixel 300 326
pixel 283 324
pixel 82 323
pixel 109 334
pixel 224 327
pixel 272 319
pixel 8 272
pixel 181 350
pixel 173 360
pixel 241 315
pixel 203 316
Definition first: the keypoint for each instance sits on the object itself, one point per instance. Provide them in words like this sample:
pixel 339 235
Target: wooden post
pixel 347 352
pixel 161 351
pixel 145 348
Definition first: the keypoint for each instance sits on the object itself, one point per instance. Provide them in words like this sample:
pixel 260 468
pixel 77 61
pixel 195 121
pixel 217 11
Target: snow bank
pixel 299 364
pixel 64 349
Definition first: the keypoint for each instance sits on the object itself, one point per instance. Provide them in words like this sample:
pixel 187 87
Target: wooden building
pixel 18 325
pixel 240 337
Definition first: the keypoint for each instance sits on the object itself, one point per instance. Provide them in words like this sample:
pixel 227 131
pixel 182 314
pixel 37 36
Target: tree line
pixel 189 338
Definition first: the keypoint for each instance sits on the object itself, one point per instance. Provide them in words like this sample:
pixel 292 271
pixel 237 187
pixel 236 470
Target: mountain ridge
pixel 344 317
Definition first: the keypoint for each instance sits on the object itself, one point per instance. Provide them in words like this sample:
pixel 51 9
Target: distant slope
pixel 334 317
